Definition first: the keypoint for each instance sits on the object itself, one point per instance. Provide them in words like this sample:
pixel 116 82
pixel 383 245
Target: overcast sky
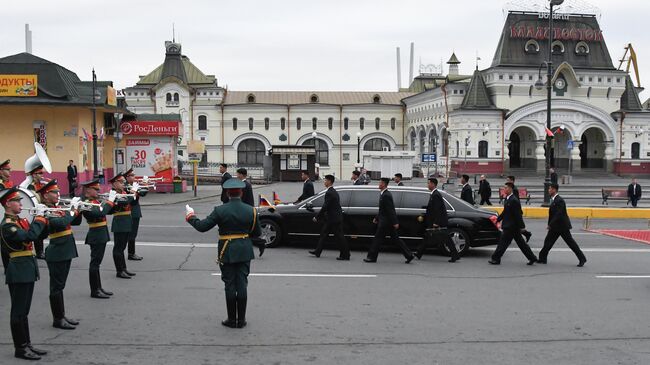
pixel 283 44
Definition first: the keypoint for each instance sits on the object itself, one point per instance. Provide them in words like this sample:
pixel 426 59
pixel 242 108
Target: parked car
pixel 468 226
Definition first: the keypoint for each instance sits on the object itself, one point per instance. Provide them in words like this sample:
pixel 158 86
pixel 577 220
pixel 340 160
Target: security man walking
pixel 237 223
pixel 467 194
pixel 248 198
pixel 559 225
pixel 22 270
pixel 331 215
pixel 307 187
pixel 225 175
pixel 435 223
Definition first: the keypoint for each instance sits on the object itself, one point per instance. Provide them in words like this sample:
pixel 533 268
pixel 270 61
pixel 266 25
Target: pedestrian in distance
pixel 559 225
pixel 512 224
pixel 435 223
pixel 238 223
pixel 387 225
pixel 484 191
pixel 398 179
pixel 356 178
pixel 225 175
pixel 72 177
pixel 331 215
pixel 634 192
pixel 247 197
pixel 466 193
pixel 553 176
pixel 307 187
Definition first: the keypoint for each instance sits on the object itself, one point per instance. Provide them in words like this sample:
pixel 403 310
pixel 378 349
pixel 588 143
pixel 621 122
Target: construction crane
pixel 630 59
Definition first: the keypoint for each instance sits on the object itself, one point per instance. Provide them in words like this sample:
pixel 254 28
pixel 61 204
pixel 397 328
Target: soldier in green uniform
pixel 22 271
pixel 136 214
pixel 60 252
pixel 121 226
pixel 35 174
pixel 5 183
pixel 237 224
pixel 98 235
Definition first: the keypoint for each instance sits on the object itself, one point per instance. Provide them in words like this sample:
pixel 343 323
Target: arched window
pixel 413 137
pixel 251 124
pixel 558 47
pixel 313 98
pixel 176 97
pixel 483 149
pixel 376 99
pixel 377 123
pixel 376 144
pixel 582 48
pixel 532 47
pixel 203 123
pixel 267 123
pixel 346 123
pixel 314 123
pixel 169 97
pixel 250 152
pixel 298 123
pixel 322 150
pixel 392 123
pixel 422 136
pixel 283 123
pixel 234 124
pixel 250 98
pixel 432 142
pixel 330 123
pixel 362 123
pixel 636 150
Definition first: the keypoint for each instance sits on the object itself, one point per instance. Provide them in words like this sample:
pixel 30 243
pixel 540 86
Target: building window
pixel 251 123
pixel 362 123
pixel 298 123
pixel 322 150
pixel 346 123
pixel 377 123
pixel 250 152
pixel 413 137
pixel 203 123
pixel 313 98
pixel 582 49
pixel 169 97
pixel 558 48
pixel 636 151
pixel 283 123
pixel 510 90
pixel 314 123
pixel 250 98
pixel 483 149
pixel 330 123
pixel 532 47
pixel 376 144
pixel 176 98
pixel 267 123
pixel 234 124
pixel 376 99
pixel 392 123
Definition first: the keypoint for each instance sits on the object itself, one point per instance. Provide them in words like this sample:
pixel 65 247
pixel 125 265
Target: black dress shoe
pixel 241 323
pixel 492 262
pixel 343 258
pixel 38 352
pixel 122 275
pixel 541 262
pixel 99 295
pixel 261 247
pixel 408 261
pixel 527 234
pixel 134 257
pixel 109 293
pixel 62 324
pixel 129 273
pixel 582 263
pixel 417 255
pixel 369 260
pixel 229 323
pixel 314 253
pixel 453 259
pixel 531 262
pixel 26 353
pixel 73 322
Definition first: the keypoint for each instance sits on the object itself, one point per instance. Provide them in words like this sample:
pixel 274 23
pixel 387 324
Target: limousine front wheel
pixel 460 239
pixel 271 232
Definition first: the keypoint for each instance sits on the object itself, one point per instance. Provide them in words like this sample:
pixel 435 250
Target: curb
pixel 580 212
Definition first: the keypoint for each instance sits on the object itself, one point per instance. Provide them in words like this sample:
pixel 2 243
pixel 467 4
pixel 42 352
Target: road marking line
pixel 623 276
pixel 307 275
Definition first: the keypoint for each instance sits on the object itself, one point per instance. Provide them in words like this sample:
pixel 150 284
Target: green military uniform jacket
pixel 234 217
pixel 15 238
pixel 98 235
pixel 136 211
pixel 62 245
pixel 122 219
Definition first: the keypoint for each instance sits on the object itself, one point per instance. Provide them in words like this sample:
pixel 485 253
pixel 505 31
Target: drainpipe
pixel 620 145
pixel 444 92
pixel 288 125
pixel 503 142
pixel 340 140
pixel 192 100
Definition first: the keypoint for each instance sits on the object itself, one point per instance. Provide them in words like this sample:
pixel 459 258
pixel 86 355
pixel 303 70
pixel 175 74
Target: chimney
pixel 411 64
pixel 399 71
pixel 28 39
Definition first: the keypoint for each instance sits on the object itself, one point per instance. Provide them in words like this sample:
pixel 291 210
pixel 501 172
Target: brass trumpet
pixel 118 196
pixel 83 206
pixel 49 212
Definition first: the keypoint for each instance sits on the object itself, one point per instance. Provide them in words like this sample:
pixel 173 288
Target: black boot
pixel 57 313
pixel 21 342
pixel 231 307
pixel 28 339
pixel 99 283
pixel 73 322
pixel 93 276
pixel 119 267
pixel 241 312
pixel 129 273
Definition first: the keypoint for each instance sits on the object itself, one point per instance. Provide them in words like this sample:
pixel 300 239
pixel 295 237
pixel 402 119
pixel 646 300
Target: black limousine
pixel 468 226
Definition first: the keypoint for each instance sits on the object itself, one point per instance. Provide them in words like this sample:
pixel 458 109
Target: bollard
pixel 587 223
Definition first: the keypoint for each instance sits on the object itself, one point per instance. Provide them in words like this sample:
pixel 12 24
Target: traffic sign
pixel 429 157
pixel 569 144
pixel 194 157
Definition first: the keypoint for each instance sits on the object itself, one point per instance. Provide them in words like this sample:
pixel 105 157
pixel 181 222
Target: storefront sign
pixel 18 85
pixel 151 128
pixel 151 156
pixel 565 34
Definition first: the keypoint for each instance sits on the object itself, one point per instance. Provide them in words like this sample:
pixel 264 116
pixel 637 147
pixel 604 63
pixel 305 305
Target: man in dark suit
pixel 398 179
pixel 225 175
pixel 72 177
pixel 307 187
pixel 512 224
pixel 553 176
pixel 387 224
pixel 485 191
pixel 559 225
pixel 435 223
pixel 332 215
pixel 356 178
pixel 247 197
pixel 515 192
pixel 634 192
pixel 466 193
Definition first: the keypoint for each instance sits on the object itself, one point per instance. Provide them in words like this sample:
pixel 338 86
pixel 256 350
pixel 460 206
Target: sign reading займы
pixel 19 85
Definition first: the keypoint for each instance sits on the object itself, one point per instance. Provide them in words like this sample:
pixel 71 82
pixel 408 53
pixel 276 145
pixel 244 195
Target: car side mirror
pixel 309 207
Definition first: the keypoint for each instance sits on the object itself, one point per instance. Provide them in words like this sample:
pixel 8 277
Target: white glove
pixel 135 187
pixel 75 202
pixel 40 209
pixel 188 210
pixel 112 196
pixel 145 179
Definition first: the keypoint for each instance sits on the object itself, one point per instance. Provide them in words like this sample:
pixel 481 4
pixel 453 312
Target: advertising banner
pixel 151 156
pixel 151 128
pixel 19 85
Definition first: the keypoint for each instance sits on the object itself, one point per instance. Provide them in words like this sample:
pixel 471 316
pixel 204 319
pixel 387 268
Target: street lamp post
pixel 358 149
pixel 467 140
pixel 435 150
pixel 94 126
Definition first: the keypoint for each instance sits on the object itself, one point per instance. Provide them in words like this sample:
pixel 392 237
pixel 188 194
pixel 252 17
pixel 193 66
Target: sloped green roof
pixel 477 96
pixel 192 74
pixel 630 99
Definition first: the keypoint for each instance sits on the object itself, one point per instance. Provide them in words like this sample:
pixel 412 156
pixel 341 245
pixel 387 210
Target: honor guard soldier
pixel 237 223
pixel 121 226
pixel 5 183
pixel 435 223
pixel 37 182
pixel 22 271
pixel 60 252
pixel 98 235
pixel 136 213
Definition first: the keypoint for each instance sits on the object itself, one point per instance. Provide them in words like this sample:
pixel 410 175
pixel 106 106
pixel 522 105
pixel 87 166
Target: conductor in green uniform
pixel 237 223
pixel 22 271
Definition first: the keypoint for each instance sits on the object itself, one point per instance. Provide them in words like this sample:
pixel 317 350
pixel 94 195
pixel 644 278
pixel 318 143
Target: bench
pixel 523 195
pixel 615 194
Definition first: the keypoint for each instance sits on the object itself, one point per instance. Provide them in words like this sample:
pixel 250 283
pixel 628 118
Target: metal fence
pixel 212 169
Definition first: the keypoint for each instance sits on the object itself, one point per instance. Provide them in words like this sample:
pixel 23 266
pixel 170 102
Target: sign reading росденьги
pixel 19 85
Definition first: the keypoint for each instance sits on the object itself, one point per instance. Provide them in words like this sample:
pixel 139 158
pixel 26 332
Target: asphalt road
pixel 322 311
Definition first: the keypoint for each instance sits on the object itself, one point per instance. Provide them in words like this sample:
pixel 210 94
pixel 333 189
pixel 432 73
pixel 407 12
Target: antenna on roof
pixel 173 33
pixel 477 59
